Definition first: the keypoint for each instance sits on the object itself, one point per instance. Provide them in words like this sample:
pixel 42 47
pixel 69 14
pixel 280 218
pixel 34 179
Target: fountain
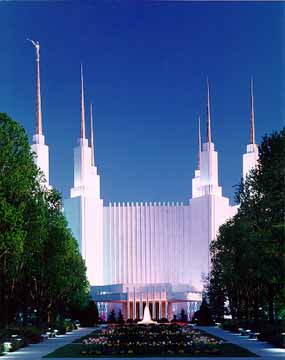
pixel 147 320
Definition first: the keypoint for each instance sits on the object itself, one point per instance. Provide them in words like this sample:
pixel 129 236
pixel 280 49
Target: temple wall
pixel 250 159
pixel 85 219
pixel 207 213
pixel 146 243
pixel 41 157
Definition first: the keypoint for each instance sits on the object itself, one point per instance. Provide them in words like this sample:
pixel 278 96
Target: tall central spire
pixel 252 130
pixel 209 140
pixel 39 126
pixel 82 110
pixel 91 136
pixel 199 145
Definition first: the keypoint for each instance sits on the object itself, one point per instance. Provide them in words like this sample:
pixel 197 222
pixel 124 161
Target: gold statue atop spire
pixel 91 136
pixel 252 130
pixel 39 126
pixel 209 140
pixel 82 110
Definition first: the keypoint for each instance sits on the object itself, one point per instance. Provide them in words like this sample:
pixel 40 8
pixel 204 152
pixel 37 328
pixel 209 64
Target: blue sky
pixel 145 67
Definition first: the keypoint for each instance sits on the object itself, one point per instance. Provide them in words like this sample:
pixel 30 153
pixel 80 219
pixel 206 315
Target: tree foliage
pixel 248 257
pixel 41 269
pixel 183 315
pixel 112 317
pixel 203 316
pixel 120 319
pixel 89 316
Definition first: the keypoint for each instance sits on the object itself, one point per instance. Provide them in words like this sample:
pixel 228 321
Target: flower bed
pixel 149 340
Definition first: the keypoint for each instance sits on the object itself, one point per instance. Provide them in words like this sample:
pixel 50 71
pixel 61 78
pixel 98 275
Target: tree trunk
pixel 256 306
pixel 271 309
pixel 5 295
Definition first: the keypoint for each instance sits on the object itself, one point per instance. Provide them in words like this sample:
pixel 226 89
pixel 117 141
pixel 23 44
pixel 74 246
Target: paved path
pixel 262 349
pixel 36 351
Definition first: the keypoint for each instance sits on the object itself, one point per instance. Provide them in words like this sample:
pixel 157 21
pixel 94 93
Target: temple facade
pixel 144 253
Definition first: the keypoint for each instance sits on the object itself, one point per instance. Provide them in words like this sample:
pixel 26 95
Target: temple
pixel 140 254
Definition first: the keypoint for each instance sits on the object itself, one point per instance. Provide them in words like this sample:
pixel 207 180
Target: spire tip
pixel 209 140
pixel 82 110
pixel 91 135
pixel 199 144
pixel 252 129
pixel 39 126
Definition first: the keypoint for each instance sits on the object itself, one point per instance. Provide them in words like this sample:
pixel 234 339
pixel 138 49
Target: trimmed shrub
pixel 32 334
pixel 203 316
pixel 231 325
pixel 162 321
pixel 183 316
pixel 120 319
pixel 90 315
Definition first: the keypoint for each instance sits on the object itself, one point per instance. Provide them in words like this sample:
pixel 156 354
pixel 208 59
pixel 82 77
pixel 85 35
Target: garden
pixel 151 340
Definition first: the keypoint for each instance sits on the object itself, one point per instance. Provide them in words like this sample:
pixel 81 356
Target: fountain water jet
pixel 147 320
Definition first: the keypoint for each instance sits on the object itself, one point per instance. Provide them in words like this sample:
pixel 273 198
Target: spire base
pixel 208 146
pixel 250 159
pixel 82 142
pixel 39 139
pixel 251 148
pixel 41 155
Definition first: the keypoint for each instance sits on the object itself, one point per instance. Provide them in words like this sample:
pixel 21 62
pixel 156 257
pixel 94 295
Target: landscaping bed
pixel 153 340
pixel 16 337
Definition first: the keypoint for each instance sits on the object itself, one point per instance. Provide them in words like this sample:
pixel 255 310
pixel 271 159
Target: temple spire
pixel 91 136
pixel 39 126
pixel 199 144
pixel 82 110
pixel 252 130
pixel 209 140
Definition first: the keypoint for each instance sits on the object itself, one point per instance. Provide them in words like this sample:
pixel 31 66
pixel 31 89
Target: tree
pixel 248 258
pixel 234 275
pixel 203 316
pixel 120 319
pixel 88 316
pixel 41 269
pixel 18 178
pixel 183 316
pixel 262 199
pixel 112 317
pixel 216 295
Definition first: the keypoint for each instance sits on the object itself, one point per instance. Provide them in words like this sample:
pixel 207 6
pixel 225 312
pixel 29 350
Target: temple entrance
pixel 158 309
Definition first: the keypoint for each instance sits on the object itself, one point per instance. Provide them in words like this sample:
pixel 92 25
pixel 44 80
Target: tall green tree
pixel 41 268
pixel 248 257
pixel 262 201
pixel 18 178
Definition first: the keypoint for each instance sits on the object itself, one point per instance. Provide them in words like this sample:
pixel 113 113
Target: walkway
pixel 262 349
pixel 37 351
